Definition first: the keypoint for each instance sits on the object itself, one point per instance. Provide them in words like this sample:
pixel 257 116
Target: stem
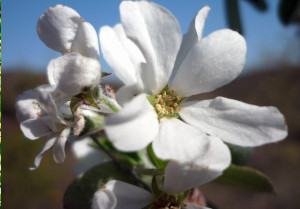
pixel 124 169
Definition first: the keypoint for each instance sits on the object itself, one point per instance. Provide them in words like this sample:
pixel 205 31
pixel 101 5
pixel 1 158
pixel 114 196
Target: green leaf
pixel 246 177
pixel 240 155
pixel 233 15
pixel 289 11
pixel 160 164
pixel 80 193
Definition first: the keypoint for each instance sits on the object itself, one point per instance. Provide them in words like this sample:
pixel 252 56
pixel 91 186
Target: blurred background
pixel 271 77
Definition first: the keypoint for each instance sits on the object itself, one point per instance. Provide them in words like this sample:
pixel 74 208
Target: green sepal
pixel 80 192
pixel 94 122
pixel 84 96
pixel 155 188
pixel 151 99
pixel 160 164
pixel 104 74
pixel 246 177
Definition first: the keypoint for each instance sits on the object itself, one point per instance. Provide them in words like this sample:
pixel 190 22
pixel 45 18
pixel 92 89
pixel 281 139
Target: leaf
pixel 160 164
pixel 233 15
pixel 80 192
pixel 289 11
pixel 246 177
pixel 240 155
pixel 259 4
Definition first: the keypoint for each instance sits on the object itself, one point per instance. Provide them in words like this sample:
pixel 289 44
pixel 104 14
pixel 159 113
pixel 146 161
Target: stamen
pixel 167 104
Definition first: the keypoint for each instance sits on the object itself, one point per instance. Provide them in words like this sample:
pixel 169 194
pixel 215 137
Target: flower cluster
pixel 179 142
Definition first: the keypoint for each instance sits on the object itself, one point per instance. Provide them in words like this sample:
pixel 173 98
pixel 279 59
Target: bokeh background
pixel 271 77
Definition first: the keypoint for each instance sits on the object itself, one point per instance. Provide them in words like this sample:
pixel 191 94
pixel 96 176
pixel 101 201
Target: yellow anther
pixel 160 101
pixel 158 107
pixel 174 104
pixel 178 98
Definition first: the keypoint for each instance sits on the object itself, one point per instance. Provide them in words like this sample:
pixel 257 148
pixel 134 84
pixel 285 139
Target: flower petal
pixel 73 72
pixel 191 38
pixel 126 93
pixel 124 195
pixel 48 144
pixel 104 199
pixel 36 128
pixel 57 28
pixel 62 29
pixel 86 41
pixel 121 53
pixel 180 177
pixel 134 127
pixel 179 141
pixel 157 34
pixel 46 101
pixel 236 122
pixel 215 61
pixel 27 106
pixel 59 147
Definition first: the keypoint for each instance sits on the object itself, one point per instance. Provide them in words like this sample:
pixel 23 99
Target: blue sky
pixel 22 47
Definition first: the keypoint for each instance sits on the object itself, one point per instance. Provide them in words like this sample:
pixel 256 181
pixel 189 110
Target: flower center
pixel 166 103
pixel 166 201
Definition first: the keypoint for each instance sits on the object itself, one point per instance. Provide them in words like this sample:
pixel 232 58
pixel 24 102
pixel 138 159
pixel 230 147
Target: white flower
pixel 149 55
pixel 38 114
pixel 120 195
pixel 187 66
pixel 62 29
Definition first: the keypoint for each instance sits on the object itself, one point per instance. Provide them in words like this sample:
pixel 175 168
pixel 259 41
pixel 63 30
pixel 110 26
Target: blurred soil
pixel 44 187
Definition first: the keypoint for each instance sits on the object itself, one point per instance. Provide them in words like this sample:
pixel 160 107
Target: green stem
pixel 119 166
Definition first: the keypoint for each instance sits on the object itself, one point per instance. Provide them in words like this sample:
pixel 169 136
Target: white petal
pixel 74 72
pixel 86 41
pixel 157 34
pixel 36 128
pixel 215 61
pixel 46 101
pixel 134 127
pixel 236 122
pixel 126 93
pixel 27 106
pixel 48 144
pixel 121 53
pixel 179 141
pixel 192 37
pixel 57 28
pixel 126 196
pixel 180 177
pixel 59 147
pixel 104 199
